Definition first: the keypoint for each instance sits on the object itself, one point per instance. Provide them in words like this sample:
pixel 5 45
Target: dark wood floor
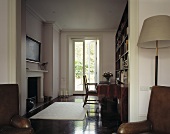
pixel 92 124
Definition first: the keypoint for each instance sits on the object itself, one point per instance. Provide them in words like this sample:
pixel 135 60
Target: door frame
pixel 96 68
pixel 77 40
pixel 70 51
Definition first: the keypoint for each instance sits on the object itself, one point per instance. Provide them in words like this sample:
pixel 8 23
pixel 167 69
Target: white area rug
pixel 62 111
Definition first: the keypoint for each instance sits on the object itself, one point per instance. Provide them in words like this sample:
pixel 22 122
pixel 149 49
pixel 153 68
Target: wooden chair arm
pixel 91 83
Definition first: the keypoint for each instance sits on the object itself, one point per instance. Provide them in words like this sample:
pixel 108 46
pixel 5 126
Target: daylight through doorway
pixel 85 62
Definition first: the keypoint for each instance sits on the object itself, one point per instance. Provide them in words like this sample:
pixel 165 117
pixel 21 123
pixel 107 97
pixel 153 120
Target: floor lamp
pixel 155 33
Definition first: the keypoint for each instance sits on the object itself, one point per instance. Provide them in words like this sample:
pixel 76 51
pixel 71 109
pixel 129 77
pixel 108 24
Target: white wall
pixel 48 57
pixel 133 60
pixel 20 51
pixel 12 46
pixel 56 63
pixel 147 56
pixel 51 51
pixel 48 35
pixel 4 41
pixel 107 53
pixel 34 29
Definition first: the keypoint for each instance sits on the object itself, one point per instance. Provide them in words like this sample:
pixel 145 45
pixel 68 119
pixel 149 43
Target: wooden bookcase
pixel 121 63
pixel 122 52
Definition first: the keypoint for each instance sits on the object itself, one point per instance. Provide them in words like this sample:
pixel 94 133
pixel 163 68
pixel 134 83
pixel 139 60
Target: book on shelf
pixel 127 31
pixel 126 46
pixel 121 63
pixel 122 77
pixel 125 64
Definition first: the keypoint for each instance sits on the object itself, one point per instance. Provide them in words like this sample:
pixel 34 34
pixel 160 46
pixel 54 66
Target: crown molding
pixel 53 24
pixel 88 30
pixel 40 18
pixel 34 13
pixel 56 27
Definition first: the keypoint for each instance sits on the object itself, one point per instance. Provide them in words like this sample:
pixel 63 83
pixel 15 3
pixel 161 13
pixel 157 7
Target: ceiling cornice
pixel 35 14
pixel 40 18
pixel 88 30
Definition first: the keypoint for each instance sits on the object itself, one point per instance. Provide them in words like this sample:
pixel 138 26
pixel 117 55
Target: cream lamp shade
pixel 155 33
pixel 156 28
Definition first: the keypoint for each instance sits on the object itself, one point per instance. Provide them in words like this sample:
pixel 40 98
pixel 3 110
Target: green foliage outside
pixel 79 63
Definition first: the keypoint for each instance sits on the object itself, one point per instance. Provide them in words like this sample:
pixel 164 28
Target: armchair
pixel 158 117
pixel 10 120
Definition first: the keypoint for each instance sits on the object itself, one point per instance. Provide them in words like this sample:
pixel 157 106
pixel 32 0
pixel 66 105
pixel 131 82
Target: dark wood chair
pixel 158 117
pixel 10 120
pixel 89 92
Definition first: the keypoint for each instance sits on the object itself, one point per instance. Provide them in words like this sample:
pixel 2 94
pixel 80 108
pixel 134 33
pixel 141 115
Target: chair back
pixel 9 102
pixel 159 109
pixel 85 83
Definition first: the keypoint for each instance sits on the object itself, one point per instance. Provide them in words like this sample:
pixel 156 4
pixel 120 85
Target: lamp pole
pixel 156 64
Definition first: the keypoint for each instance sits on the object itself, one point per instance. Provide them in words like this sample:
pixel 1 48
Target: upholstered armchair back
pixel 9 102
pixel 159 109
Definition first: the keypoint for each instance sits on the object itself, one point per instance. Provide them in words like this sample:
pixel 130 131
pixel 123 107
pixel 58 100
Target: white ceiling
pixel 80 14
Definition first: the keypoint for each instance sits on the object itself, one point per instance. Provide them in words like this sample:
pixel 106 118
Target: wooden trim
pixel 133 60
pixel 12 41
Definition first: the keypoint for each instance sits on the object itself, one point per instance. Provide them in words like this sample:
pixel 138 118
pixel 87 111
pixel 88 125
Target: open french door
pixel 85 62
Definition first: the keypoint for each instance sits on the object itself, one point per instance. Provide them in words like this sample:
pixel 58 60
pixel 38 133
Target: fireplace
pixel 32 88
pixel 35 90
pixel 32 92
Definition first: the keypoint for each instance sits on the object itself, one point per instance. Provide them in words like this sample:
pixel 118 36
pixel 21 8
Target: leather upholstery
pixel 159 109
pixel 135 127
pixel 10 121
pixel 158 118
pixel 20 122
pixel 9 102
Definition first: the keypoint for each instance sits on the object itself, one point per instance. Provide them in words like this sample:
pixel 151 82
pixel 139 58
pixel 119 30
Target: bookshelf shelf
pixel 121 63
pixel 122 47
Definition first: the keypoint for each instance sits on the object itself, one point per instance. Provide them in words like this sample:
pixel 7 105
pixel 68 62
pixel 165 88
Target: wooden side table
pixel 111 91
pixel 108 91
pixel 103 90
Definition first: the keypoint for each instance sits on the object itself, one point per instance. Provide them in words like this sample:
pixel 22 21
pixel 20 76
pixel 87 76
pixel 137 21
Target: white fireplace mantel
pixel 39 74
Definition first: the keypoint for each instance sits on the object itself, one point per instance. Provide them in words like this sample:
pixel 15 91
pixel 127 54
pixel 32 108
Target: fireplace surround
pixel 39 74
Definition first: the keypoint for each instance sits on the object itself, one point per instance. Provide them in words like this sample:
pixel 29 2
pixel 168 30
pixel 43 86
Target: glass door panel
pixel 90 61
pixel 78 63
pixel 85 62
